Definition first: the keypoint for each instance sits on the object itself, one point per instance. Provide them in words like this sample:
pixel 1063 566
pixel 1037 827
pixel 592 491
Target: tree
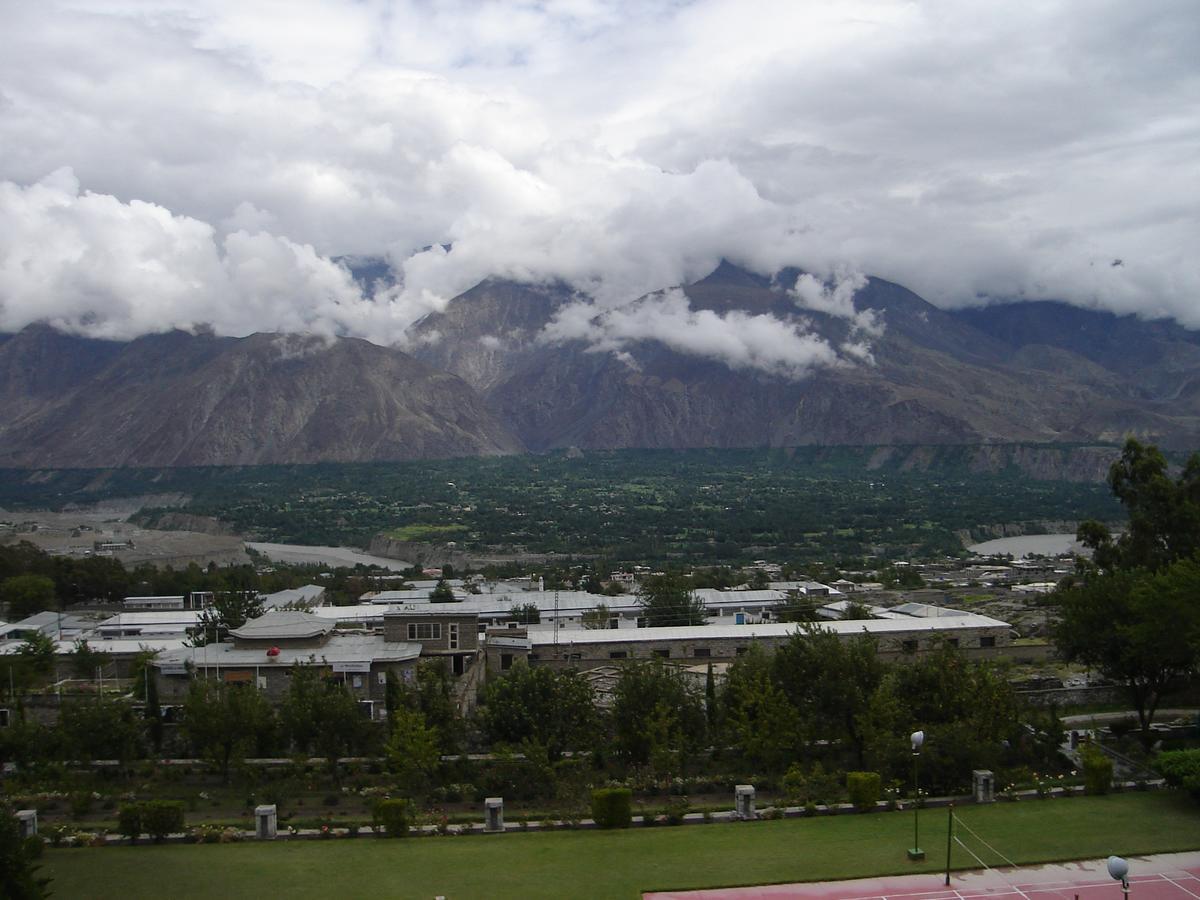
pixel 797 607
pixel 597 617
pixel 321 716
pixel 101 729
pixel 526 614
pixel 968 711
pixel 1136 628
pixel 18 862
pixel 229 610
pixel 1164 513
pixel 27 595
pixel 442 593
pixel 759 720
pixel 553 709
pixel 85 661
pixel 225 723
pixel 669 600
pixel 413 749
pixel 33 660
pixel 829 682
pixel 433 697
pixel 655 705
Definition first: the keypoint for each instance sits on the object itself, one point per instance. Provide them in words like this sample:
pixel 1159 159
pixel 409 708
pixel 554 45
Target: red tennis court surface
pixel 1168 876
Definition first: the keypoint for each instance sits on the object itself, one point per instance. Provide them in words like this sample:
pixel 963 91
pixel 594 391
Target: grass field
pixel 619 864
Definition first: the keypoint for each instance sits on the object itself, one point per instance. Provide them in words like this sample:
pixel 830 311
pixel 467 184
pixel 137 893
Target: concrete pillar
pixel 743 801
pixel 265 822
pixel 27 822
pixel 983 786
pixel 493 819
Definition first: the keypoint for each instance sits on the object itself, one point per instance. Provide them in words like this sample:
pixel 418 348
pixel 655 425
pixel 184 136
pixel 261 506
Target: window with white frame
pixel 424 631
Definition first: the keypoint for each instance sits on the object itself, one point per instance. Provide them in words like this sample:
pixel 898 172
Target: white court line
pixel 1180 886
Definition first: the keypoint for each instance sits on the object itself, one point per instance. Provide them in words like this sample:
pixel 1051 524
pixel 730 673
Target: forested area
pixel 694 506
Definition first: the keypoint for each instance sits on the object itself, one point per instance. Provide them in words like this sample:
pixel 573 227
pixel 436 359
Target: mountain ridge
pixel 481 377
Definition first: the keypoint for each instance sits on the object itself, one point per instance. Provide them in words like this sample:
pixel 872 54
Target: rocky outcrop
pixel 183 399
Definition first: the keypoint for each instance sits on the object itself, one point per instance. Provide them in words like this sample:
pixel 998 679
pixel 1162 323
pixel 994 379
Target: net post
pixel 949 838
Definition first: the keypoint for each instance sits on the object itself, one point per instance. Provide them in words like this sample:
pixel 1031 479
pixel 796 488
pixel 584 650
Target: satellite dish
pixel 1118 869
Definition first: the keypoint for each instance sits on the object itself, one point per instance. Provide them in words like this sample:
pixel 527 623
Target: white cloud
pixel 89 263
pixel 737 339
pixel 837 299
pixel 965 151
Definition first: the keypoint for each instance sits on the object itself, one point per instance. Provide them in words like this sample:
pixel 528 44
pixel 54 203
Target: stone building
pixel 263 652
pixel 979 637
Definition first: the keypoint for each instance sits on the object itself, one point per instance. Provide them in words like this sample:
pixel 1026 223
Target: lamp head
pixel 1118 869
pixel 917 738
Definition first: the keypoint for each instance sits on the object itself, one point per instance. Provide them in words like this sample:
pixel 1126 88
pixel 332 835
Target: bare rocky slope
pixel 481 379
pixel 183 399
pixel 1012 373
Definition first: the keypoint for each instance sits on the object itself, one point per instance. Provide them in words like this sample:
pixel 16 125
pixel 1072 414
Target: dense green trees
pixel 1164 512
pixel 829 681
pixel 657 711
pixel 669 600
pixel 817 689
pixel 24 595
pixel 541 707
pixel 19 877
pixel 225 723
pixel 1139 628
pixel 320 716
pixel 100 728
pixel 1133 614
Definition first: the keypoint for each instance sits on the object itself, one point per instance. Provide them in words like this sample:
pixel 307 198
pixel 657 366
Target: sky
pixel 205 163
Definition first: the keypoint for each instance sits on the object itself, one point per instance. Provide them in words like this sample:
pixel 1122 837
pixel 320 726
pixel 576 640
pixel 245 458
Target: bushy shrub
pixel 612 807
pixel 1181 769
pixel 675 811
pixel 129 821
pixel 816 784
pixel 1097 770
pixel 392 816
pixel 864 789
pixel 162 817
pixel 81 804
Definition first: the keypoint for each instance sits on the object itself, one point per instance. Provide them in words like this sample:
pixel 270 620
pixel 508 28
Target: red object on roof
pixel 274 651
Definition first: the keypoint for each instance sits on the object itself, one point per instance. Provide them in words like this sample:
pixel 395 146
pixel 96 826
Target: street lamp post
pixel 916 853
pixel 1118 870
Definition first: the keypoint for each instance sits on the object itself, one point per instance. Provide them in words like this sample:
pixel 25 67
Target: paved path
pixel 1165 876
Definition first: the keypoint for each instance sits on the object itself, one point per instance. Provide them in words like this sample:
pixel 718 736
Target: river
pixel 325 556
pixel 1026 544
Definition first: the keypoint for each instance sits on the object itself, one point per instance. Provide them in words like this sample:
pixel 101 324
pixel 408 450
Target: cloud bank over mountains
pixel 169 164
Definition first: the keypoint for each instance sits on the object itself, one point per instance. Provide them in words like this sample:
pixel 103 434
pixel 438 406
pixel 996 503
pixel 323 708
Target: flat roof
pixel 340 648
pixel 542 636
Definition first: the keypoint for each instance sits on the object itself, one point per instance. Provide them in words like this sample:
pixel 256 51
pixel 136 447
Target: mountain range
pixel 481 378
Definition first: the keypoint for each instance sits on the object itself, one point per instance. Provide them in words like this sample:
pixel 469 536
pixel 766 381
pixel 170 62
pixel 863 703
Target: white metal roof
pixel 340 648
pixel 543 635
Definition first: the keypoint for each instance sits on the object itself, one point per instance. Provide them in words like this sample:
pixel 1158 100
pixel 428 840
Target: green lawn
pixel 621 864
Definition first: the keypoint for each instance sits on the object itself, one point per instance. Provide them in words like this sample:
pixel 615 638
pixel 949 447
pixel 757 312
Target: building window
pixel 614 622
pixel 987 641
pixel 909 646
pixel 661 654
pixel 617 654
pixel 702 652
pixel 505 661
pixel 641 621
pixel 424 631
pixel 741 651
pixel 453 635
pixel 953 642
